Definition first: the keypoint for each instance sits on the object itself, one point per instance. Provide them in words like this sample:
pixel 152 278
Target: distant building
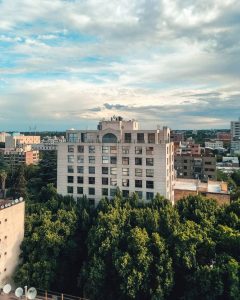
pixel 3 136
pixel 224 136
pixel 118 154
pixel 211 189
pixel 235 147
pixel 177 136
pixel 235 130
pixel 49 143
pixel 195 167
pixel 18 141
pixel 214 144
pixel 11 236
pixel 20 156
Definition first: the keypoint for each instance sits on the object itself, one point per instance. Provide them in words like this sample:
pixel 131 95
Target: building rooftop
pixel 196 185
pixel 9 202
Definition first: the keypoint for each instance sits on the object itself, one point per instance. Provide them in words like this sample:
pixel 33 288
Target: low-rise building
pixel 214 144
pixel 12 214
pixel 217 190
pixel 17 141
pixel 20 156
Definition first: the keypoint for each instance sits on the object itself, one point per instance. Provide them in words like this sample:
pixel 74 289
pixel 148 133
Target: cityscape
pixel 119 150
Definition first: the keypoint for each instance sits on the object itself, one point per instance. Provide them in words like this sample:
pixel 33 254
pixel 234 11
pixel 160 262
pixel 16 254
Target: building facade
pixel 214 144
pixel 195 167
pixel 235 130
pixel 11 236
pixel 20 156
pixel 16 141
pixel 117 154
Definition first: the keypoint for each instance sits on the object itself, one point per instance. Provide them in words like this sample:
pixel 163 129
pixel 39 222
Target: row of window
pixel 111 149
pixel 111 160
pixel 112 171
pixel 112 181
pixel 109 192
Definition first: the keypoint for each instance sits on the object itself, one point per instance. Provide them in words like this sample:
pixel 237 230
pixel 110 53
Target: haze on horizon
pixel 67 63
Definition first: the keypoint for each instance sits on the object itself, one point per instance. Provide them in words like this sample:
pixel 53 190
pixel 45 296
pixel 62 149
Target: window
pixel 70 148
pixel 80 190
pixel 113 181
pixel 104 170
pixel 112 192
pixel 70 158
pixel 104 181
pixel 149 184
pixel 91 170
pixel 138 172
pixel 125 150
pixel 125 172
pixel 149 195
pixel 80 149
pixel 138 150
pixel 149 150
pixel 113 160
pixel 105 159
pixel 72 137
pixel 79 179
pixel 125 193
pixel 140 137
pixel 70 169
pixel 138 183
pixel 80 159
pixel 128 137
pixel 105 149
pixel 125 160
pixel 80 169
pixel 138 161
pixel 109 138
pixel 70 179
pixel 151 138
pixel 70 189
pixel 104 191
pixel 91 159
pixel 91 149
pixel 113 171
pixel 125 182
pixel 149 161
pixel 149 172
pixel 91 191
pixel 140 194
pixel 113 149
pixel 91 180
pixel 91 201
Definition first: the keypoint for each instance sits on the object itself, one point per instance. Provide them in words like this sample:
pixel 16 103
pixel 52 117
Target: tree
pixel 3 177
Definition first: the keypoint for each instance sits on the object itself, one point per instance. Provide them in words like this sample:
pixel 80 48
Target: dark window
pixel 80 179
pixel 185 161
pixel 91 170
pixel 70 148
pixel 91 159
pixel 112 192
pixel 80 190
pixel 149 184
pixel 91 149
pixel 109 138
pixel 185 167
pixel 128 137
pixel 104 170
pixel 91 180
pixel 140 137
pixel 104 192
pixel 91 202
pixel 149 161
pixel 140 194
pixel 151 138
pixel 70 179
pixel 70 189
pixel 80 149
pixel 91 191
pixel 138 183
pixel 138 161
pixel 113 160
pixel 104 181
pixel 70 169
pixel 80 169
pixel 125 193
pixel 149 195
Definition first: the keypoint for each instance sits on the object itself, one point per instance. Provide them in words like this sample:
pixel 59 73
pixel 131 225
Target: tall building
pixel 117 154
pixel 235 129
pixel 11 235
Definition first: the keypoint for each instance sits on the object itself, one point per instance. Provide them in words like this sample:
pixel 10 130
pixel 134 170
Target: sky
pixel 68 64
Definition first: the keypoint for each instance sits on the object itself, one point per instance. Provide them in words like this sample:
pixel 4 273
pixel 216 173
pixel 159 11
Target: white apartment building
pixel 118 154
pixel 214 144
pixel 235 129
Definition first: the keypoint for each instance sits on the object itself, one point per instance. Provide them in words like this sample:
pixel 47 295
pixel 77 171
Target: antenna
pixel 7 288
pixel 31 293
pixel 19 292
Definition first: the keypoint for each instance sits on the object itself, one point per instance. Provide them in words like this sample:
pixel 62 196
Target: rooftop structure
pixel 117 154
pixel 211 189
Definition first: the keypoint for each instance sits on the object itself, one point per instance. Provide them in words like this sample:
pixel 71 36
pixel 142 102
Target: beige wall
pixel 11 235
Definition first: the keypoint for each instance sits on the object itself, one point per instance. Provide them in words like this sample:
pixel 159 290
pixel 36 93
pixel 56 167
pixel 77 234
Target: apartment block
pixel 117 154
pixel 214 144
pixel 20 156
pixel 195 167
pixel 11 235
pixel 235 130
pixel 15 141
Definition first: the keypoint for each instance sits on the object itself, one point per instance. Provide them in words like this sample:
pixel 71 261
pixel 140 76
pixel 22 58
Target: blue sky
pixel 69 63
